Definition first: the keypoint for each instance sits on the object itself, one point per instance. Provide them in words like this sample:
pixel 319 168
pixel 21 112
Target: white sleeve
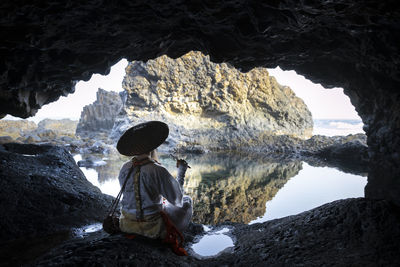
pixel 169 188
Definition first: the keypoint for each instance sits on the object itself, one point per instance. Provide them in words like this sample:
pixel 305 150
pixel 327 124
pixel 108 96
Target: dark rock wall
pixel 46 46
pixel 43 191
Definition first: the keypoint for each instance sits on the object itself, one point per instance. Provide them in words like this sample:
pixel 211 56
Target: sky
pixel 323 103
pixel 85 94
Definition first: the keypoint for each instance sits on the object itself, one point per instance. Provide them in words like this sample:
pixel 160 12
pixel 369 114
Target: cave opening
pixel 46 46
pixel 271 184
pixel 100 163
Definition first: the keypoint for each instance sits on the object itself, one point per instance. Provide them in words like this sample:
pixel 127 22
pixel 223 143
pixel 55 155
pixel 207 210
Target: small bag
pixel 111 224
pixel 111 221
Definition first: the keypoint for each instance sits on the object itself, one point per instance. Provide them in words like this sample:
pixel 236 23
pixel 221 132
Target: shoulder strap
pixel 114 205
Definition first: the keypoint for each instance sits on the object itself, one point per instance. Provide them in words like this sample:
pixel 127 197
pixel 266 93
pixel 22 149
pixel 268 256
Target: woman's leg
pixel 180 216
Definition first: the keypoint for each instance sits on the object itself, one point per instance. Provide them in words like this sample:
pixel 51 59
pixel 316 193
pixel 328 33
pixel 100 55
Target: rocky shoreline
pixel 342 233
pixel 52 168
pixel 31 175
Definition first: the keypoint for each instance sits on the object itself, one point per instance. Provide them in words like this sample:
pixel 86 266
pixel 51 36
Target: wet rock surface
pixel 43 191
pixel 343 233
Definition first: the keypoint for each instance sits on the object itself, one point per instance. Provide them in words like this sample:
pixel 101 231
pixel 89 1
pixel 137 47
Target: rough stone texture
pixel 47 46
pixel 63 127
pixel 48 130
pixel 43 191
pixel 100 115
pixel 16 128
pixel 352 232
pixel 352 152
pixel 210 105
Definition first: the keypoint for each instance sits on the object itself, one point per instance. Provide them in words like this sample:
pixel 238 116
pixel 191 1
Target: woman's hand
pixel 183 163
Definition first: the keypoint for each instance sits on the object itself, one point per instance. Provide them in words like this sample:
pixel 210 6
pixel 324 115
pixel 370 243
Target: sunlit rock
pixel 16 128
pixel 214 106
pixel 47 46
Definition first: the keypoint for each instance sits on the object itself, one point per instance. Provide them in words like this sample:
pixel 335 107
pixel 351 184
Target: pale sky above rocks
pixel 323 103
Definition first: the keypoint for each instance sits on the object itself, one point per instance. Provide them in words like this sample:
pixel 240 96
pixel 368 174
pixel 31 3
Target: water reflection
pixel 213 243
pixel 236 187
pixel 313 187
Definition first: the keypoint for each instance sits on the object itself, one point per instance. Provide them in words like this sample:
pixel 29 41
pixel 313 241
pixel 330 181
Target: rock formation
pixel 343 233
pixel 16 128
pixel 210 105
pixel 48 45
pixel 44 192
pixel 100 115
pixel 47 131
pixel 62 127
pixel 350 44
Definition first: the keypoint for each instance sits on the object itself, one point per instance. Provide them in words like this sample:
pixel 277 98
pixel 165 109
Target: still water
pixel 245 189
pixel 241 189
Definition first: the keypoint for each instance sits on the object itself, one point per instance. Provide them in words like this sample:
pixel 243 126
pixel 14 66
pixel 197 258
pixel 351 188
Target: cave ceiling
pixel 47 46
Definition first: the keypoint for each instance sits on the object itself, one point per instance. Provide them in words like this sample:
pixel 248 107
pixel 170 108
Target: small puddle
pixel 213 243
pixel 85 230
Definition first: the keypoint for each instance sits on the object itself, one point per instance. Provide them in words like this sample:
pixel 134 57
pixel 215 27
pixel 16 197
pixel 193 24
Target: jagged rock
pixel 48 130
pixel 343 233
pixel 350 44
pixel 63 127
pixel 43 191
pixel 5 139
pixel 16 128
pixel 30 138
pixel 211 105
pixel 100 115
pixel 352 152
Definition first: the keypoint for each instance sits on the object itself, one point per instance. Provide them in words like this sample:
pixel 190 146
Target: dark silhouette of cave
pixel 48 45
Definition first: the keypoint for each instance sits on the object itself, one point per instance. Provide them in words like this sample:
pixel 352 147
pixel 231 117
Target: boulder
pixel 211 105
pixel 43 191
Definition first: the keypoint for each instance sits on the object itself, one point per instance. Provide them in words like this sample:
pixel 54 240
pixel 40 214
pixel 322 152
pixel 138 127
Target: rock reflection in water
pixel 234 188
pixel 223 187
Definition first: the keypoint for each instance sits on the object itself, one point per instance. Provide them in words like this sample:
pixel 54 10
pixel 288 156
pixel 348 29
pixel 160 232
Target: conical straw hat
pixel 142 138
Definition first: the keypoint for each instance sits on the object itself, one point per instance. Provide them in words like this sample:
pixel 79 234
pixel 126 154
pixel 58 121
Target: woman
pixel 153 204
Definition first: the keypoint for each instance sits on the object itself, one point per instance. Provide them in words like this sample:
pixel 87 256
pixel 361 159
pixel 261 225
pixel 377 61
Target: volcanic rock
pixel 16 128
pixel 214 106
pixel 47 46
pixel 43 191
pixel 353 152
pixel 100 115
pixel 342 233
pixel 62 127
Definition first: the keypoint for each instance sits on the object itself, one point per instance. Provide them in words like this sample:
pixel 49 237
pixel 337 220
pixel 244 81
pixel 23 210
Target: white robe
pixel 155 183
